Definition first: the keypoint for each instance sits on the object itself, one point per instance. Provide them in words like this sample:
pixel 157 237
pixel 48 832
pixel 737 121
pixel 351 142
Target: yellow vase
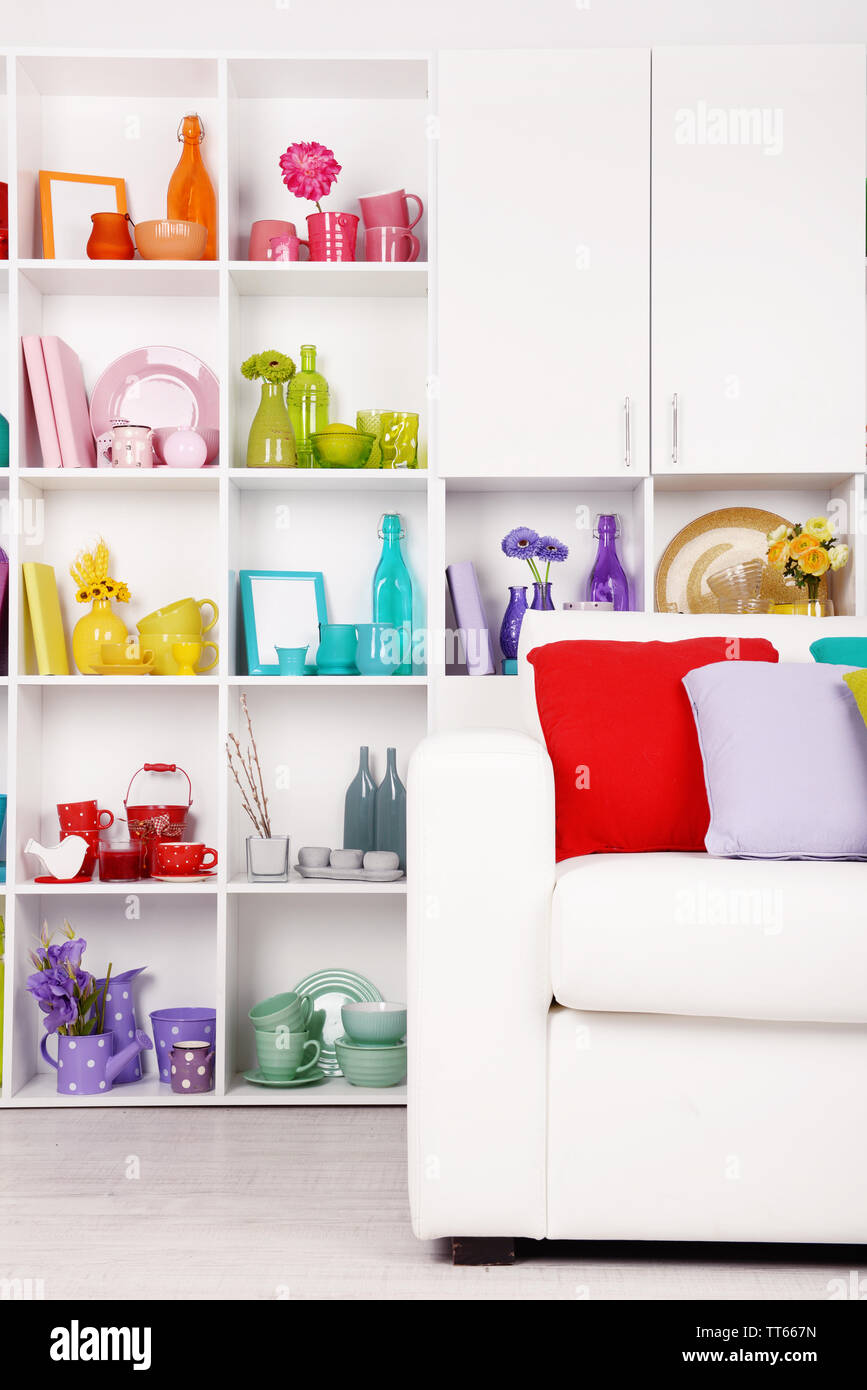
pixel 100 625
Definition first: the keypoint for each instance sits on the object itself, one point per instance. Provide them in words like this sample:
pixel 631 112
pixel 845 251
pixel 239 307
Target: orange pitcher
pixel 191 196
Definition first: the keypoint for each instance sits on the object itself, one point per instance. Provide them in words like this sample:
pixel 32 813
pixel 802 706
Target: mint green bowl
pixel 371 1066
pixel 378 1022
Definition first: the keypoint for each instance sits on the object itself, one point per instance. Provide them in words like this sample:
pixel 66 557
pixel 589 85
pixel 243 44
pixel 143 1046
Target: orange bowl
pixel 170 240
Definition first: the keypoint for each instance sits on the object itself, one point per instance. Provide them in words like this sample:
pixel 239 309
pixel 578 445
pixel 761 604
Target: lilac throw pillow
pixel 785 760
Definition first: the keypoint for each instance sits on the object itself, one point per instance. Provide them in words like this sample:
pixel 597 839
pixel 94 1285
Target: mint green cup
pixel 283 1055
pixel 288 1010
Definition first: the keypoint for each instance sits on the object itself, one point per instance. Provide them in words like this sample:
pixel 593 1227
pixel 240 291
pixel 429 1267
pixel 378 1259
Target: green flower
pixel 271 365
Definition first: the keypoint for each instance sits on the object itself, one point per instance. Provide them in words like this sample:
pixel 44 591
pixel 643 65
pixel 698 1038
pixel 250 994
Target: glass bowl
pixel 341 450
pixel 745 605
pixel 737 581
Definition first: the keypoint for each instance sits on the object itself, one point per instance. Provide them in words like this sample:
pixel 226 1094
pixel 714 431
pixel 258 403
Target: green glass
pixel 392 588
pixel 271 442
pixel 308 404
pixel 391 811
pixel 359 808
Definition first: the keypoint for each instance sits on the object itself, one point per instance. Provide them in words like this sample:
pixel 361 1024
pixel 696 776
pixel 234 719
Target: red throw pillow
pixel 620 732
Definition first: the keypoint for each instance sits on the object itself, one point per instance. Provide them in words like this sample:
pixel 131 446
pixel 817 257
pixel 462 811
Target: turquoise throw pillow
pixel 840 651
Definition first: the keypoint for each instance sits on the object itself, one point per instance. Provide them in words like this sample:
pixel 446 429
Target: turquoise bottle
pixel 359 809
pixel 392 589
pixel 391 811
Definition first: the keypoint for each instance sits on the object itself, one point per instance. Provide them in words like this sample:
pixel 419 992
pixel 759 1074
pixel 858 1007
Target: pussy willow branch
pixel 251 766
pixel 265 814
pixel 245 803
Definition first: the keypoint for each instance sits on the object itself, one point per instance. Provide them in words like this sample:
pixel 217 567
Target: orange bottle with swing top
pixel 191 196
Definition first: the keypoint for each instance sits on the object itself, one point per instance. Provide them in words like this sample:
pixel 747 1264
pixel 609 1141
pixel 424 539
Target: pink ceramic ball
pixel 185 449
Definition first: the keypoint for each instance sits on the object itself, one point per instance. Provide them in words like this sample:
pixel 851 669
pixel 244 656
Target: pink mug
pixel 390 244
pixel 332 235
pixel 261 234
pixel 285 248
pixel 389 209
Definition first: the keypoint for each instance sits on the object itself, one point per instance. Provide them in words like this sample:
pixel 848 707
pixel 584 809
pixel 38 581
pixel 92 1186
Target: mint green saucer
pixel 258 1078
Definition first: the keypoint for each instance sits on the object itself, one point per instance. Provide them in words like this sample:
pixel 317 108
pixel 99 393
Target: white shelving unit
pixel 391 118
pixel 227 942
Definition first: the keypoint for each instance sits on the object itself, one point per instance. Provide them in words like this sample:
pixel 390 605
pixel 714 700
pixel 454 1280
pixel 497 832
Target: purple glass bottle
pixel 510 628
pixel 607 582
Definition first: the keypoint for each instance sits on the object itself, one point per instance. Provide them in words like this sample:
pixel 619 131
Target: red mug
pixel 390 244
pixel 176 858
pixel 389 209
pixel 331 236
pixel 82 818
pixel 286 248
pixel 261 234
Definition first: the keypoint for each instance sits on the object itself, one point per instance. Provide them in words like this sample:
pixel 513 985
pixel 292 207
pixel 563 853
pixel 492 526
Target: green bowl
pixel 371 1066
pixel 341 450
pixel 374 1023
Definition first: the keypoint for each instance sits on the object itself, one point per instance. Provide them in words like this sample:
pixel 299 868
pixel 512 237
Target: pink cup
pixel 390 244
pixel 261 234
pixel 332 236
pixel 389 209
pixel 286 248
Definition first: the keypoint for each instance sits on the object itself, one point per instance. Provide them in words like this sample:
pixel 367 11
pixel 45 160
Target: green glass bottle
pixel 391 811
pixel 308 404
pixel 359 808
pixel 392 589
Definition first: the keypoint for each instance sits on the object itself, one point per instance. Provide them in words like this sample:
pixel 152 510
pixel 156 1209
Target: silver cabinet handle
pixel 674 429
pixel 628 434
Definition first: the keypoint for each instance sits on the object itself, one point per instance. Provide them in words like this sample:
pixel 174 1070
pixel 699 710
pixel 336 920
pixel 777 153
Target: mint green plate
pixel 330 990
pixel 259 1078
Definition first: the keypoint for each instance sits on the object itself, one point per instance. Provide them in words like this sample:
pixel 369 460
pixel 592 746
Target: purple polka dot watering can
pixel 86 1066
pixel 120 1020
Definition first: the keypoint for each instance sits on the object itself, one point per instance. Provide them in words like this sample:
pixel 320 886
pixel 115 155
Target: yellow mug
pixel 129 653
pixel 183 616
pixel 166 663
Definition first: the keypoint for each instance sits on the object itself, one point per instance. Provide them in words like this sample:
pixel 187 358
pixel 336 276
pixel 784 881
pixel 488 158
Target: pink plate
pixel 163 387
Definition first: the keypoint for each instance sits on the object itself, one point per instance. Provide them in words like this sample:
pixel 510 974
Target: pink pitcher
pixel 332 236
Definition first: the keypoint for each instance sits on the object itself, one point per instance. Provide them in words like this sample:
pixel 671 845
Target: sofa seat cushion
pixel 727 938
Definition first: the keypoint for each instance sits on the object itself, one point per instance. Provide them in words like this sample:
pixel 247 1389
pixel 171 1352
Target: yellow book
pixel 46 623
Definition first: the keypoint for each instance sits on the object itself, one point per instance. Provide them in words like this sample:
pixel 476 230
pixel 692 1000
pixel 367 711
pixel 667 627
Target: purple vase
pixel 542 598
pixel 120 1020
pixel 510 628
pixel 192 1065
pixel 607 582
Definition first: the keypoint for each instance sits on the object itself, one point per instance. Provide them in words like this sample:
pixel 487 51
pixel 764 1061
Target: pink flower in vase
pixel 309 170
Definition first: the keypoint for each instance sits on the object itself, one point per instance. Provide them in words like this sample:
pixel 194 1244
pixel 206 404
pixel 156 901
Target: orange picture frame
pixel 49 176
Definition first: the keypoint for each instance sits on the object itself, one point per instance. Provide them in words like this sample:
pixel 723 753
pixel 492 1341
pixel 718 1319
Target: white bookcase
pixel 171 533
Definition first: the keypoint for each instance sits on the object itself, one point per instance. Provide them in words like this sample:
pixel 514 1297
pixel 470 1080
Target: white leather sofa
pixel 642 1047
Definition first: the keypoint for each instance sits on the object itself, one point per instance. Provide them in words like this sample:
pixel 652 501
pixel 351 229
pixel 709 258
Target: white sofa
pixel 642 1047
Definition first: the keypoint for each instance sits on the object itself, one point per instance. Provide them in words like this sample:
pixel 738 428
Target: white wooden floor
pixel 304 1203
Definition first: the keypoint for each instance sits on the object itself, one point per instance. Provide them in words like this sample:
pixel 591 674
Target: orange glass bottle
pixel 191 196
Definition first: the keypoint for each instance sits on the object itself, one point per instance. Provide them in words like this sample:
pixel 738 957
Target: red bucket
pixel 157 822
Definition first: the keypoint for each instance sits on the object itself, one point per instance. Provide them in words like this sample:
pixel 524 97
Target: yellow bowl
pixel 170 240
pixel 337 450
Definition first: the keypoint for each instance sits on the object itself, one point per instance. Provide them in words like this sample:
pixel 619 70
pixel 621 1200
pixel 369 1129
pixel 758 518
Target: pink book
pixel 69 399
pixel 42 407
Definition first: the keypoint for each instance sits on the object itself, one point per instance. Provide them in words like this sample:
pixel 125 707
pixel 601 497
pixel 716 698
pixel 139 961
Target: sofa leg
pixel 483 1250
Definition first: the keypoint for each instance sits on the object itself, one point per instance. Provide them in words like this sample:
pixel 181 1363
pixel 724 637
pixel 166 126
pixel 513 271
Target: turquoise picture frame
pixel 265 617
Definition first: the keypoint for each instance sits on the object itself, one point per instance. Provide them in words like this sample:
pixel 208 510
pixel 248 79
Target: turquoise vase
pixel 391 811
pixel 392 589
pixel 359 809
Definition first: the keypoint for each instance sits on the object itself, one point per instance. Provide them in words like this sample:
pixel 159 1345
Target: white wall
pixel 395 24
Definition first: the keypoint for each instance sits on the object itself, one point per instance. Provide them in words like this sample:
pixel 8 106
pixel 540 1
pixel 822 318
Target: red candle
pixel 120 861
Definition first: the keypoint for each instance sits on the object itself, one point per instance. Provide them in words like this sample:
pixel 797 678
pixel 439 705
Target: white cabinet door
pixel 758 259
pixel 543 262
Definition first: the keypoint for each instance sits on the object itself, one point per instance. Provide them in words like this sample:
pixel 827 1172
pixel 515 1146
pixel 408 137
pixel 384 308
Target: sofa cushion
pixel 785 760
pixel 728 938
pixel 621 737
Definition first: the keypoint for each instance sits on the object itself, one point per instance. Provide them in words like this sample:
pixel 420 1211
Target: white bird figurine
pixel 61 861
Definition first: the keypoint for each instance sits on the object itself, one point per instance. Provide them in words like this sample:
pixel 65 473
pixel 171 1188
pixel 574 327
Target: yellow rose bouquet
pixel 805 553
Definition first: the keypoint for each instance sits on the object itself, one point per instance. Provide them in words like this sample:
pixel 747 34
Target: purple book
pixel 471 620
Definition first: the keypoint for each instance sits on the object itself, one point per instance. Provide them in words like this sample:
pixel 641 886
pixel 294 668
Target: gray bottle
pixel 391 811
pixel 359 809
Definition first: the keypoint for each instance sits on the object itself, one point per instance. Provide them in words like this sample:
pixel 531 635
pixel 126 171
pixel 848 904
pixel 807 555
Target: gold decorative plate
pixel 711 542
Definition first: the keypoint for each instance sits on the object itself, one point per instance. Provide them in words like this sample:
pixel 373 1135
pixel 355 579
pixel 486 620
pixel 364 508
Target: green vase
pixel 308 404
pixel 391 811
pixel 359 829
pixel 392 589
pixel 271 443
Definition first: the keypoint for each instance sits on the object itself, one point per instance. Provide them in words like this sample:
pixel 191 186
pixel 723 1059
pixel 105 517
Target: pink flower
pixel 309 170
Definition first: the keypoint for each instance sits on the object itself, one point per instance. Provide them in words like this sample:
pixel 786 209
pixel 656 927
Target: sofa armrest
pixel 480 848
